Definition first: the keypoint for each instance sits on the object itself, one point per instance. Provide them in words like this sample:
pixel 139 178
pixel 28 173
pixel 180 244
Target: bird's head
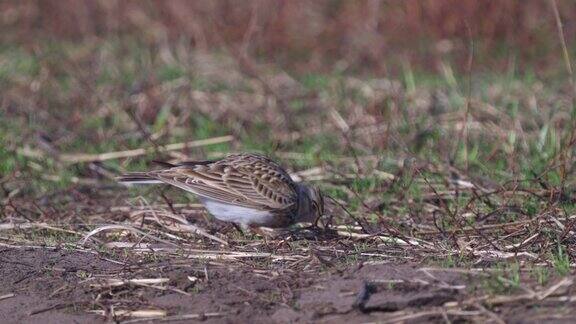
pixel 310 203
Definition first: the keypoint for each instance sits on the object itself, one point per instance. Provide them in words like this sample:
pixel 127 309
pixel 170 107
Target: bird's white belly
pixel 236 214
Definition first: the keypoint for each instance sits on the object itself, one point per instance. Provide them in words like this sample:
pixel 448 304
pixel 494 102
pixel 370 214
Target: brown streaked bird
pixel 248 189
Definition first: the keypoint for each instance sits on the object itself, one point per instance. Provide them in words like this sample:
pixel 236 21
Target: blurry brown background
pixel 365 35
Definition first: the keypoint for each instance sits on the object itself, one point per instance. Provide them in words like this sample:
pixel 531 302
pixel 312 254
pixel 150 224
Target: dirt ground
pixel 62 286
pixel 145 269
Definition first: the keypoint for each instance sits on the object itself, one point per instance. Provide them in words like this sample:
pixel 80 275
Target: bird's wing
pixel 251 181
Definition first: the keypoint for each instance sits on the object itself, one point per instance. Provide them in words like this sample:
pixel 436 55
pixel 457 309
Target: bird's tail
pixel 137 178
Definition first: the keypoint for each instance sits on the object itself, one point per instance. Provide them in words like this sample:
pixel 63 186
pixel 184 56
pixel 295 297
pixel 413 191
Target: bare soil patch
pixel 66 286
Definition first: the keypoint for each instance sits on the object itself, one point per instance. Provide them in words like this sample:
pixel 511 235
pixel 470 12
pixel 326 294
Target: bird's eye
pixel 315 205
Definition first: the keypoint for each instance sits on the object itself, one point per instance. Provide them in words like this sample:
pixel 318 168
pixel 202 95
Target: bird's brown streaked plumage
pixel 242 183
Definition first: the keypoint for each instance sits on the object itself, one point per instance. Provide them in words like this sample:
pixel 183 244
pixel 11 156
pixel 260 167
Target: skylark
pixel 247 189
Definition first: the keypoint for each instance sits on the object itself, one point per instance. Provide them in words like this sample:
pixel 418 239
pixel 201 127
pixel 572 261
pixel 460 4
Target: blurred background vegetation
pixel 373 35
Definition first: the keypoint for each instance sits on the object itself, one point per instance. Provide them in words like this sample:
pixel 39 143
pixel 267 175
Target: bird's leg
pixel 239 228
pixel 244 230
pixel 264 232
pixel 257 230
pixel 250 229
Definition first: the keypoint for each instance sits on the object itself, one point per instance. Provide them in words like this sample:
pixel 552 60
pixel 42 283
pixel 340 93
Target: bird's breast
pixel 237 214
